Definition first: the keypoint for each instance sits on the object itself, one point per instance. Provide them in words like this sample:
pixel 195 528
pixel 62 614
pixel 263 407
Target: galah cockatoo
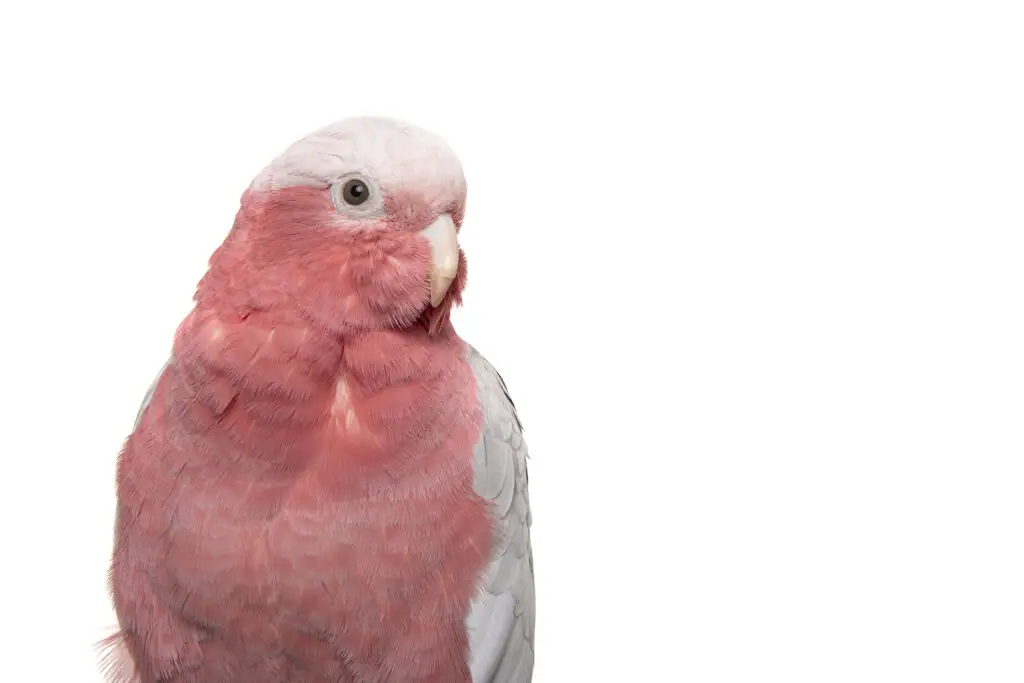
pixel 325 483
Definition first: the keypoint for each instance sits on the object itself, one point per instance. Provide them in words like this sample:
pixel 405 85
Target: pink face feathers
pixel 335 227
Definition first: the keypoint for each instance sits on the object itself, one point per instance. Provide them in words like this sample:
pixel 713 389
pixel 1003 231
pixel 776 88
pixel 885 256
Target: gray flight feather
pixel 501 618
pixel 149 394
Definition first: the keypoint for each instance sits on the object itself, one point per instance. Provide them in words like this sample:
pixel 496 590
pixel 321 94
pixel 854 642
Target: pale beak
pixel 444 256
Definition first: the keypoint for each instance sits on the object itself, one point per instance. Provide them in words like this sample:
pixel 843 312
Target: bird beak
pixel 444 256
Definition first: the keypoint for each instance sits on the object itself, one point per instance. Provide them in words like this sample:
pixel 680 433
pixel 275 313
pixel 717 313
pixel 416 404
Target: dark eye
pixel 355 192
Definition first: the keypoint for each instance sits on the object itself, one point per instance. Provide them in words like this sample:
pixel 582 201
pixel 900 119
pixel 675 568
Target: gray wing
pixel 501 618
pixel 149 394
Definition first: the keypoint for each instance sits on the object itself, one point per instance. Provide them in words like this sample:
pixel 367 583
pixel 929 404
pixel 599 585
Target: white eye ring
pixel 347 190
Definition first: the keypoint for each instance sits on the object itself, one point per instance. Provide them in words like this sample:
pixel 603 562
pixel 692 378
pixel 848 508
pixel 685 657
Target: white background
pixel 753 272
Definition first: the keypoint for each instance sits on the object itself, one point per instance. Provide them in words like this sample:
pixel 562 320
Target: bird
pixel 325 483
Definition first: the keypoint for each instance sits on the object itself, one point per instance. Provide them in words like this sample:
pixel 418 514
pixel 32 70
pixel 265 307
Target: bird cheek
pixel 403 278
pixel 393 277
pixel 407 212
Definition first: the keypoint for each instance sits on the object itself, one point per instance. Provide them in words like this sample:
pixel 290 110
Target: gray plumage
pixel 149 393
pixel 501 619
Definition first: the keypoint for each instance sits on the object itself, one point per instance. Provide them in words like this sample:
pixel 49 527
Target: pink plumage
pixel 297 502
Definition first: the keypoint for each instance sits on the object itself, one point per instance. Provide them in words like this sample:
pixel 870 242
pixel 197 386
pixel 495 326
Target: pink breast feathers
pixel 319 495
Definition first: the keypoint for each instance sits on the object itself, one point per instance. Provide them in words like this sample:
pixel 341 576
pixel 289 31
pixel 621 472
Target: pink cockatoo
pixel 325 484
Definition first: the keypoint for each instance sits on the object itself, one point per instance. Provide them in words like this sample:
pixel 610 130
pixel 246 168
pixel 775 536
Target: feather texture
pixel 501 619
pixel 325 484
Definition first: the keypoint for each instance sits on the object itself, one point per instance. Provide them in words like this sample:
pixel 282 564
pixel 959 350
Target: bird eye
pixel 355 192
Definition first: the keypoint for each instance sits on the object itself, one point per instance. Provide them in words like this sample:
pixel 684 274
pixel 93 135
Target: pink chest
pixel 372 518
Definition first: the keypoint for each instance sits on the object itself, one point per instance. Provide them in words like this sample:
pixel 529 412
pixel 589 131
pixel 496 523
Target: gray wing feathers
pixel 501 619
pixel 149 395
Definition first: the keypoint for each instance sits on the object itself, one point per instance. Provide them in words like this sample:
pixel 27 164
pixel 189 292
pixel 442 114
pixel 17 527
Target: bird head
pixel 355 227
